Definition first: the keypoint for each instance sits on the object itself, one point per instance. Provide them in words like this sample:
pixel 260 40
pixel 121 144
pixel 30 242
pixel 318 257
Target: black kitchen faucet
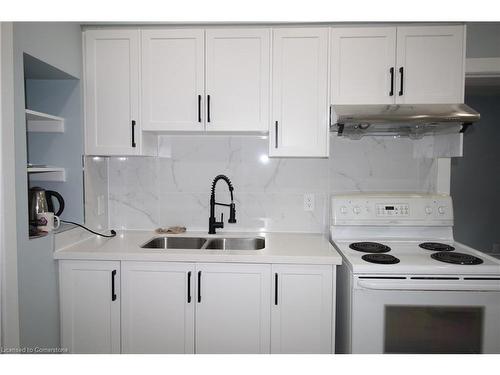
pixel 212 223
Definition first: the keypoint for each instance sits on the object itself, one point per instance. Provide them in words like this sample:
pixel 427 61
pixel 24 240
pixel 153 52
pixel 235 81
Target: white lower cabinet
pixel 157 307
pixel 159 300
pixel 169 307
pixel 301 315
pixel 90 306
pixel 232 310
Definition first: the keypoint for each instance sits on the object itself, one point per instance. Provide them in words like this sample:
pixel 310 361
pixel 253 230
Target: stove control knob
pixel 441 210
pixel 343 210
pixel 428 210
pixel 356 210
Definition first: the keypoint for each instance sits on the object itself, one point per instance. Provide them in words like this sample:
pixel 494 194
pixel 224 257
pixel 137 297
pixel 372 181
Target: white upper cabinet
pixel 195 80
pixel 232 308
pixel 141 82
pixel 158 307
pixel 362 65
pixel 299 122
pixel 301 315
pixel 407 65
pixel 172 79
pixel 90 306
pixel 112 92
pixel 237 79
pixel 431 64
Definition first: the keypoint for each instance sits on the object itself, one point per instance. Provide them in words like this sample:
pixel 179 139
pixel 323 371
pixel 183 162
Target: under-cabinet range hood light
pixel 405 120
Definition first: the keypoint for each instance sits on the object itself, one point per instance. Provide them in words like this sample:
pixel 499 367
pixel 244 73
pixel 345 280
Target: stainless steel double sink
pixel 200 243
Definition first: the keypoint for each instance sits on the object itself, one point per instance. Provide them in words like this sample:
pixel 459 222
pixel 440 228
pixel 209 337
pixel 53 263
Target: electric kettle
pixel 41 201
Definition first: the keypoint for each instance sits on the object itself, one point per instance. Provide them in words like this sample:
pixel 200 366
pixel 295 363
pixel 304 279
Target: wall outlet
pixel 100 205
pixel 308 202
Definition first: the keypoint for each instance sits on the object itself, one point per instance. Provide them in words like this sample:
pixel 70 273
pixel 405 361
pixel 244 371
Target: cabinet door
pixel 112 92
pixel 237 79
pixel 299 125
pixel 363 65
pixel 232 309
pixel 157 307
pixel 301 316
pixel 172 79
pixel 430 61
pixel 90 306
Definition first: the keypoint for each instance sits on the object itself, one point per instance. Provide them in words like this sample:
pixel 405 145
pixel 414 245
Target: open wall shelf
pixel 47 173
pixel 39 122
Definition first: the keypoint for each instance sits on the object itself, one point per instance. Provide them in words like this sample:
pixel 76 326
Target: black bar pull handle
pixel 199 108
pixel 276 289
pixel 391 93
pixel 199 286
pixel 401 73
pixel 189 287
pixel 133 133
pixel 276 134
pixel 208 108
pixel 113 294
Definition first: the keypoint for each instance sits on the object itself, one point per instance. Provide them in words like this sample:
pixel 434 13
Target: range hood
pixel 403 120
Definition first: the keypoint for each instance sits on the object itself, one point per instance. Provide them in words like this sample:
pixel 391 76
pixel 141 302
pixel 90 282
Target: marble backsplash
pixel 379 164
pixel 96 186
pixel 174 188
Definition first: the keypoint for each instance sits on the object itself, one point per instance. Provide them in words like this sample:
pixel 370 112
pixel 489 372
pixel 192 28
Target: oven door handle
pixel 445 285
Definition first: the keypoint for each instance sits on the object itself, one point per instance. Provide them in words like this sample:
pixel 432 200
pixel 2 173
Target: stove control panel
pixel 389 209
pixel 392 209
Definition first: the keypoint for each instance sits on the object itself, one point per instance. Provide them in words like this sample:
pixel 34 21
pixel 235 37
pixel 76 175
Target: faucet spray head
pixel 232 213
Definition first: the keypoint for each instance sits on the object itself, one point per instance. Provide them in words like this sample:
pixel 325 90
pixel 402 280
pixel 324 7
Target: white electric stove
pixel 405 285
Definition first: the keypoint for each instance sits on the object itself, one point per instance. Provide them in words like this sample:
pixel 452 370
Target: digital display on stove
pixel 392 209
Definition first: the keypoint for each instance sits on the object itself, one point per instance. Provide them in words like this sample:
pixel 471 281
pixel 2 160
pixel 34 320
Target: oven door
pixel 428 315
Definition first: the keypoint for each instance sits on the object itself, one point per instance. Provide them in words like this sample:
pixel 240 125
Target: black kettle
pixel 41 200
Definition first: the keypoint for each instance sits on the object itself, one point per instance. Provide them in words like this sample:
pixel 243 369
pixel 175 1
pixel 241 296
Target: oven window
pixel 433 329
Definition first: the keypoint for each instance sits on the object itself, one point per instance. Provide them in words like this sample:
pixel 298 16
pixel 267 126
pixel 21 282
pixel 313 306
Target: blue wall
pixel 60 45
pixel 483 39
pixel 475 178
pixel 60 98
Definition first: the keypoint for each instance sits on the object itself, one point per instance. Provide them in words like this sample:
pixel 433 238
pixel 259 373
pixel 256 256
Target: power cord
pixel 113 233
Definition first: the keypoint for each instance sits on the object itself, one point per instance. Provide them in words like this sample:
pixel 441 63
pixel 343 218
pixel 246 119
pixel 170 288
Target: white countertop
pixel 300 248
